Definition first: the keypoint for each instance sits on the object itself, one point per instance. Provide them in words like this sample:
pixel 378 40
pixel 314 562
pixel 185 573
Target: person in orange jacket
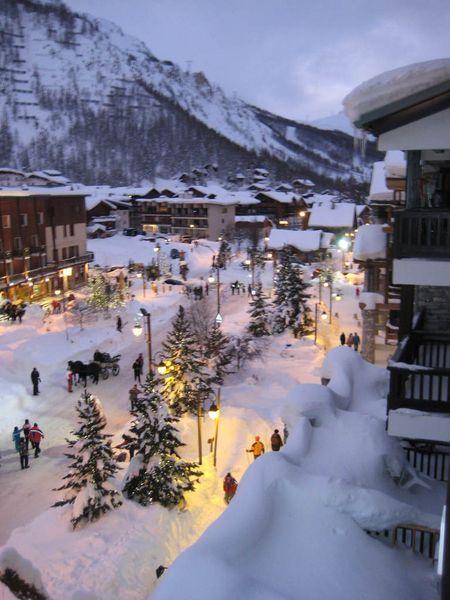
pixel 257 448
pixel 229 487
pixel 36 436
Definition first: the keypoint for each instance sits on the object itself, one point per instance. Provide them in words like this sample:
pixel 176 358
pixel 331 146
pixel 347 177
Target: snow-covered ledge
pixel 421 271
pixel 417 425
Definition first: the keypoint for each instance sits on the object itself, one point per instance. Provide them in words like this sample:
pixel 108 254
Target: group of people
pixel 198 291
pixel 13 311
pixel 352 340
pixel 238 287
pixel 230 484
pixel 31 435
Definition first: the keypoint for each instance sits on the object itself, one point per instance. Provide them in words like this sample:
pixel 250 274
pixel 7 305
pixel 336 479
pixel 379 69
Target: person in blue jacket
pixel 16 437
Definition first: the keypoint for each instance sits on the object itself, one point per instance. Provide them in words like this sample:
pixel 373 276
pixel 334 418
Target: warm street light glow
pixel 162 369
pixel 138 275
pixel 47 279
pixel 213 412
pixel 266 238
pixel 192 226
pixel 323 316
pixel 269 255
pixel 30 283
pixel 338 297
pixel 57 292
pixel 326 284
pixel 343 244
pixel 219 238
pixel 156 249
pixel 247 261
pixel 211 279
pixel 137 329
pixel 302 213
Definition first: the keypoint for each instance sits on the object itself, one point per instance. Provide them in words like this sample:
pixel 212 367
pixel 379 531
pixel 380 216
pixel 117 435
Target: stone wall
pixel 369 331
pixel 436 301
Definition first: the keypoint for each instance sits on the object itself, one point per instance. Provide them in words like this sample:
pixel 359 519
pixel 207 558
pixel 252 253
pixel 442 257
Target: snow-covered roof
pixel 370 242
pixel 378 188
pixel 95 227
pixel 284 197
pixel 396 85
pixel 93 201
pixel 251 218
pixel 305 182
pixel 303 240
pixel 334 216
pixel 41 191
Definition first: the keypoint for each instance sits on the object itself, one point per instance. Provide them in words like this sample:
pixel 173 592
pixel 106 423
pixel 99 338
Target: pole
pixel 316 312
pixel 149 343
pixel 320 288
pixel 253 272
pixel 331 300
pixel 143 285
pixel 218 290
pixel 199 430
pixel 216 434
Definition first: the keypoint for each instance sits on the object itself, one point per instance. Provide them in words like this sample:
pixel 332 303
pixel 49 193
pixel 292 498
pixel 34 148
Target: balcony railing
pixel 420 373
pixel 49 268
pixel 422 233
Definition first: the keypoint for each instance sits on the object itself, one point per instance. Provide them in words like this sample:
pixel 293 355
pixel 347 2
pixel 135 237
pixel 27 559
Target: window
pixel 6 221
pixel 40 218
pixel 72 229
pixel 65 230
pixel 224 210
pixel 73 251
pixel 23 219
pixel 34 240
pixel 18 244
pixel 64 252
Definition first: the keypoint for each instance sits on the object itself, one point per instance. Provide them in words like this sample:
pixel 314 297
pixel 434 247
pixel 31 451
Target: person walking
pixel 134 394
pixel 26 430
pixel 20 314
pixel 140 361
pixel 285 433
pixel 356 342
pixel 249 290
pixel 342 338
pixel 207 288
pixel 36 436
pixel 357 291
pixel 23 453
pixel 137 371
pixel 229 487
pixel 69 381
pixel 275 441
pixel 119 324
pixel 350 340
pixel 257 448
pixel 16 438
pixel 35 380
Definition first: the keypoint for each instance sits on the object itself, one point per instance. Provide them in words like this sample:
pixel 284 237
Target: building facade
pixel 42 242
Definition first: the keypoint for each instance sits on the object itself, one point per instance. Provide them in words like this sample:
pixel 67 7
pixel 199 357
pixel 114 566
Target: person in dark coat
pixel 229 487
pixel 119 325
pixel 23 453
pixel 342 338
pixel 140 361
pixel 249 291
pixel 35 380
pixel 26 430
pixel 356 341
pixel 275 441
pixel 137 371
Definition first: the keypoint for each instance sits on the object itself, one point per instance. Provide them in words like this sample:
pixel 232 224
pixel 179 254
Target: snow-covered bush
pixel 88 488
pixel 259 313
pixel 20 576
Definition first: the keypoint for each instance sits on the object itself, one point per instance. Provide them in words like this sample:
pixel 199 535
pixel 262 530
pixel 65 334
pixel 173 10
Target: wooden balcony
pixel 420 373
pixel 422 233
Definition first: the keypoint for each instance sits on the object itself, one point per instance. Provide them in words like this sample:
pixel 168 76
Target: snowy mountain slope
pixel 339 122
pixel 80 95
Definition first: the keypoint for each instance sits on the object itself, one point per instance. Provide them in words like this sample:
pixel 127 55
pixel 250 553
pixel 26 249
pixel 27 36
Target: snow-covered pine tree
pixel 156 473
pixel 223 255
pixel 259 313
pixel 88 487
pixel 103 295
pixel 219 354
pixel 291 297
pixel 185 382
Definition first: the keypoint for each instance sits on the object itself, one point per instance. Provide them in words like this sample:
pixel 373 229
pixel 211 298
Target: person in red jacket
pixel 229 487
pixel 36 436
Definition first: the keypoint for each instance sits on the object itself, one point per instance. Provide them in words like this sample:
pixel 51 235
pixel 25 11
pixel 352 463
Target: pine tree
pixel 259 317
pixel 88 487
pixel 185 383
pixel 291 297
pixel 219 355
pixel 223 255
pixel 156 473
pixel 102 294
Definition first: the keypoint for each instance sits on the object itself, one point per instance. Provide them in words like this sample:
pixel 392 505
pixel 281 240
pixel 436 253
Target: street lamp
pixel 147 316
pixel 214 413
pixel 141 276
pixel 137 329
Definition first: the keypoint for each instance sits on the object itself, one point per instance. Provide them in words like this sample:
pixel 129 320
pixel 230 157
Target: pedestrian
pixel 69 381
pixel 134 394
pixel 249 291
pixel 23 453
pixel 140 361
pixel 119 324
pixel 350 340
pixel 127 445
pixel 276 441
pixel 342 338
pixel 229 487
pixel 16 438
pixel 207 288
pixel 357 291
pixel 20 314
pixel 36 436
pixel 356 342
pixel 285 433
pixel 232 285
pixel 137 371
pixel 257 448
pixel 26 430
pixel 35 380
pixel 238 287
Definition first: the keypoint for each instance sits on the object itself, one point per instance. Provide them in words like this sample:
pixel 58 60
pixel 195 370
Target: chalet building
pixel 284 209
pixel 337 218
pixel 308 246
pixel 42 241
pixel 418 123
pixel 15 178
pixel 373 252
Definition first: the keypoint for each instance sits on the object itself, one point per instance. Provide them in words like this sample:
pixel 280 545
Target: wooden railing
pixel 421 540
pixel 429 461
pixel 422 233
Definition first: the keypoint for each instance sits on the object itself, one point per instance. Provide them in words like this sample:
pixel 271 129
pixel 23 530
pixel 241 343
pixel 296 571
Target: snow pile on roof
pixel 296 527
pixel 370 300
pixel 251 218
pixel 334 216
pixel 303 240
pixel 378 188
pixel 395 85
pixel 283 197
pixel 395 164
pixel 41 191
pixel 370 242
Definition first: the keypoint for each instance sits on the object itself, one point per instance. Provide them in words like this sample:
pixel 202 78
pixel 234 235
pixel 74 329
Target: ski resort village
pixel 224 333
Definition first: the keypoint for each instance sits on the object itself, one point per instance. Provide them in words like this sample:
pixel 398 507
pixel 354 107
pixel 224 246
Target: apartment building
pixel 42 241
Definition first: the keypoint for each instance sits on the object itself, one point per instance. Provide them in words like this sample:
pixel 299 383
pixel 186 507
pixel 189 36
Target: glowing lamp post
pixel 141 276
pixel 214 414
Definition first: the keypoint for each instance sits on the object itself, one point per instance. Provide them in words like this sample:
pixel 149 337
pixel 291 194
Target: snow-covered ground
pixel 303 502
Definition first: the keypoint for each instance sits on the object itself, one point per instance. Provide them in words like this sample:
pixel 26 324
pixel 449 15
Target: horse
pixel 84 371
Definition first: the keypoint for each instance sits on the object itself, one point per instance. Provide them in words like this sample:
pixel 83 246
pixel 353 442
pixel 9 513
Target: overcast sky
pixel 297 58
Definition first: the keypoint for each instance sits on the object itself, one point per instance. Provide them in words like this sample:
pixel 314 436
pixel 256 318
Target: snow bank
pixel 370 300
pixel 370 243
pixel 296 525
pixel 11 559
pixel 395 85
